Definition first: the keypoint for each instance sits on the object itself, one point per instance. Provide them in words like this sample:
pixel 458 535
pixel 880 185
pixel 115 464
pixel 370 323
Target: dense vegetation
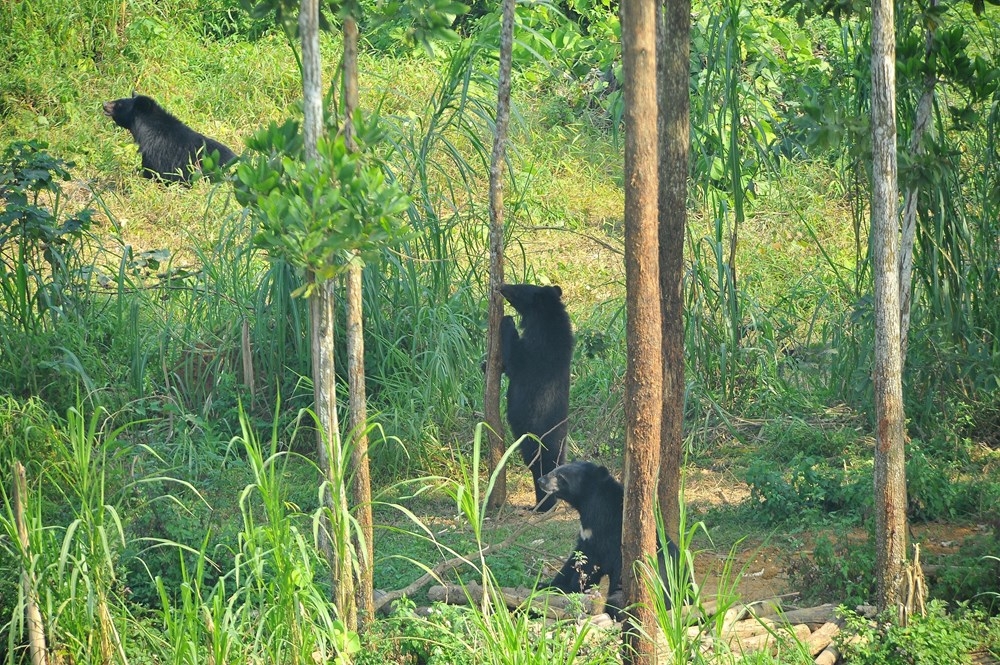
pixel 171 487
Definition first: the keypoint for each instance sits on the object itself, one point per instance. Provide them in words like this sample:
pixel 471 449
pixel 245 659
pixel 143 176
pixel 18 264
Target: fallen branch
pixel 814 617
pixel 550 605
pixel 384 598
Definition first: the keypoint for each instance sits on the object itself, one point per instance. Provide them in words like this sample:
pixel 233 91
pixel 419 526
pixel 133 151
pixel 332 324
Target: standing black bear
pixel 598 498
pixel 168 147
pixel 537 366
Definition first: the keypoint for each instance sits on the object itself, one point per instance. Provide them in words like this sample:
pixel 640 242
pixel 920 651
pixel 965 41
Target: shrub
pixel 838 571
pixel 809 485
pixel 935 639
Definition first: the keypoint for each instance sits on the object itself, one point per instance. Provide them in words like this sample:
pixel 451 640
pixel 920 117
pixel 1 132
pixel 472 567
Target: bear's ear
pixel 558 291
pixel 134 93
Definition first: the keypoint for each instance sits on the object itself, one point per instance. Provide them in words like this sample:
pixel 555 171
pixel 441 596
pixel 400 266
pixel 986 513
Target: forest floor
pixel 762 563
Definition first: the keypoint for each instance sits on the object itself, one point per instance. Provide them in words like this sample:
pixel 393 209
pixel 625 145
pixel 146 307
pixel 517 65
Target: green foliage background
pixel 145 303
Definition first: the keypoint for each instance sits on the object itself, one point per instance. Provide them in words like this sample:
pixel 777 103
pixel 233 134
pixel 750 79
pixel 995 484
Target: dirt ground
pixel 760 569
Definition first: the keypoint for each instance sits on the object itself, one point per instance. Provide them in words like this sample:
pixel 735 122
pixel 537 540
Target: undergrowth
pixel 149 305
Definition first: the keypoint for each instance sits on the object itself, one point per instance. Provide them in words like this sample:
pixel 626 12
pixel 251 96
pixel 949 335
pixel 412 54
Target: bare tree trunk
pixel 350 74
pixel 644 370
pixel 312 124
pixel 890 472
pixel 312 83
pixel 922 123
pixel 491 393
pixel 673 65
pixel 33 616
pixel 335 532
pixel 359 473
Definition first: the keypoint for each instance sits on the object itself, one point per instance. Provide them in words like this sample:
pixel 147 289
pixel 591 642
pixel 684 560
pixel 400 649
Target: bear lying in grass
pixel 169 148
pixel 598 498
pixel 537 363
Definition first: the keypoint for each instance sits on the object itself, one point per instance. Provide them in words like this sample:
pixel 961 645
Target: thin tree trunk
pixel 359 473
pixel 33 616
pixel 890 477
pixel 312 83
pixel 312 124
pixel 921 125
pixel 644 370
pixel 673 64
pixel 491 393
pixel 335 532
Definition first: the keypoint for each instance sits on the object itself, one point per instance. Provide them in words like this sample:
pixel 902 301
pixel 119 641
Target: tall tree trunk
pixel 644 370
pixel 673 60
pixel 890 476
pixel 359 473
pixel 491 396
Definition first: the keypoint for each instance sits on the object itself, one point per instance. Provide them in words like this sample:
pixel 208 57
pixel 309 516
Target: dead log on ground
pixel 821 638
pixel 814 617
pixel 550 605
pixel 383 599
pixel 769 640
pixel 828 656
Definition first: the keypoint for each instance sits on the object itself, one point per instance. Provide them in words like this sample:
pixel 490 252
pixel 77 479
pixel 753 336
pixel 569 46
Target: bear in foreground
pixel 598 498
pixel 537 366
pixel 169 148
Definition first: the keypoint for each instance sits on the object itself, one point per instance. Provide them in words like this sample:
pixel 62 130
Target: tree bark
pixel 312 84
pixel 644 370
pixel 673 65
pixel 491 393
pixel 890 476
pixel 359 472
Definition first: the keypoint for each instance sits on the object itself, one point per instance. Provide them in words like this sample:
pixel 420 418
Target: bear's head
pixel 124 111
pixel 574 481
pixel 526 298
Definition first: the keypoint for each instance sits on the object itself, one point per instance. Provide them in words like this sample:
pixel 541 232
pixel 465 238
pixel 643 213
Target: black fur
pixel 168 147
pixel 537 366
pixel 599 499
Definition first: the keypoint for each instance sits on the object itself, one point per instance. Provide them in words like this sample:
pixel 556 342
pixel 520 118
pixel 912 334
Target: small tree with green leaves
pixel 320 215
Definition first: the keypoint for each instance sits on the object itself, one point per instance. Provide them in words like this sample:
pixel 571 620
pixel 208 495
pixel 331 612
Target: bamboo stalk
pixel 36 632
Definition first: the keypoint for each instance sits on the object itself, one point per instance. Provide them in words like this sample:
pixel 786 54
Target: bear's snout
pixel 548 483
pixel 109 108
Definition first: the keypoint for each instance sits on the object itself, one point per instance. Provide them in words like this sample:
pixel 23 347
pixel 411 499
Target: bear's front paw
pixel 613 606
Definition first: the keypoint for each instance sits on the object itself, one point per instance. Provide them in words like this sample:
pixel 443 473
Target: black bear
pixel 537 366
pixel 168 147
pixel 598 498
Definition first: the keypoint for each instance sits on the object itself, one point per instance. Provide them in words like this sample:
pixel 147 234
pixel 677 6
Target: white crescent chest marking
pixel 585 534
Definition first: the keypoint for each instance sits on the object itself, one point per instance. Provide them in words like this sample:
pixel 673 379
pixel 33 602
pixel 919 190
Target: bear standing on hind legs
pixel 169 148
pixel 537 363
